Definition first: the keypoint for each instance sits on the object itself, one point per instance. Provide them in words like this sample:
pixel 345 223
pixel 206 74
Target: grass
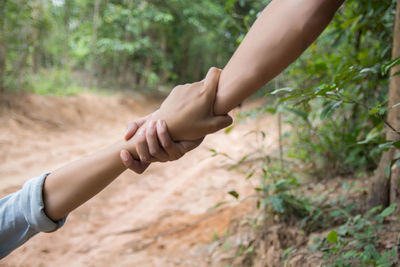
pixel 56 82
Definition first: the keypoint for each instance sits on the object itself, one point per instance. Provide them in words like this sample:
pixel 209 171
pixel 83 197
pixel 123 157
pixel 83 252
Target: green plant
pixel 53 82
pixel 355 242
pixel 279 195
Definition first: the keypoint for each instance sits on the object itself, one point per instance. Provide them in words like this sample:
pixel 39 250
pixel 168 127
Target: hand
pixel 148 145
pixel 188 109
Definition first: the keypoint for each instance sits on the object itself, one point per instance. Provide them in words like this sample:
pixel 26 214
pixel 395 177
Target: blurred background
pixel 51 46
pixel 293 181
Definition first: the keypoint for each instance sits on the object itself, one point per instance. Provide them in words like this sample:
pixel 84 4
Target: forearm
pixel 72 185
pixel 277 38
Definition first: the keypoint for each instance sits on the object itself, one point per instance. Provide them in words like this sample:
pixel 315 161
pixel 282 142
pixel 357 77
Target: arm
pixel 281 33
pixel 278 37
pixel 70 186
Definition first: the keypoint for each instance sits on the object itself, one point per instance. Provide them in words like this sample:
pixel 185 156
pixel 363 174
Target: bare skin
pixel 70 186
pixel 189 114
pixel 67 188
pixel 279 36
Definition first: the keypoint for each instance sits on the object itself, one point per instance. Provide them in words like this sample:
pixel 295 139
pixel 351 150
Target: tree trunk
pixel 3 44
pixel 67 17
pixel 146 71
pixel 384 190
pixel 36 16
pixel 96 12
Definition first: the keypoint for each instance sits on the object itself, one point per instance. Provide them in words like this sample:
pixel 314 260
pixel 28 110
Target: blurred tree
pixel 385 188
pixel 67 21
pixel 3 43
pixel 96 12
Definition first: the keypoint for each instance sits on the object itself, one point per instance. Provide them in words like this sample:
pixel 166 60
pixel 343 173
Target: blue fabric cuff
pixel 33 207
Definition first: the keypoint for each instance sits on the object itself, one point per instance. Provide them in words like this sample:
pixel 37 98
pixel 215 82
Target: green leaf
pixel 228 129
pixel 217 206
pixel 388 145
pixel 376 131
pixel 396 144
pixel 374 110
pixel 396 73
pixel 280 90
pixel 332 237
pixel 324 88
pixel 396 105
pixel 290 97
pixel 389 210
pixel 366 70
pixel 386 67
pixel 329 109
pixel 388 170
pixel 277 204
pixel 234 194
pixel 301 113
pixel 350 254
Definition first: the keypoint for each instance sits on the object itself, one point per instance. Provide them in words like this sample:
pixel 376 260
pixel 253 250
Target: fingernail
pixel 128 128
pixel 164 124
pixel 124 155
pixel 142 132
pixel 159 123
pixel 150 125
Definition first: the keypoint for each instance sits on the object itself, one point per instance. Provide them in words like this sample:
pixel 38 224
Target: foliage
pixel 142 44
pixel 336 94
pixel 335 100
pixel 53 82
pixel 355 242
pixel 278 196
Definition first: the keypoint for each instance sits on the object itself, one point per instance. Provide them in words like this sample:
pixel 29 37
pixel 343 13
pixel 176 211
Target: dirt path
pixel 156 219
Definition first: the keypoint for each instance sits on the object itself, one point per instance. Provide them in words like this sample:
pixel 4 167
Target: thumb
pixel 211 81
pixel 216 123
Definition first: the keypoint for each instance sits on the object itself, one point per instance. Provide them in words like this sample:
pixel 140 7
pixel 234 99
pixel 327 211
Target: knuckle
pixel 141 142
pixel 168 145
pixel 141 139
pixel 163 131
pixel 214 69
pixel 154 151
pixel 151 134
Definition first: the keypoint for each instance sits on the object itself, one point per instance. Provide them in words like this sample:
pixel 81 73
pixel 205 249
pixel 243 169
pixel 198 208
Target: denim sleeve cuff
pixel 33 208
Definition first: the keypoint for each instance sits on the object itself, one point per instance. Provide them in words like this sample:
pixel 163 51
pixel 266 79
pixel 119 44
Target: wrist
pixel 130 146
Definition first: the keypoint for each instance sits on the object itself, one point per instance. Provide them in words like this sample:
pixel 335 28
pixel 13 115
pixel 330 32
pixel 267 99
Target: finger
pixel 134 165
pixel 167 143
pixel 216 123
pixel 143 120
pixel 131 130
pixel 211 81
pixel 154 146
pixel 133 126
pixel 141 147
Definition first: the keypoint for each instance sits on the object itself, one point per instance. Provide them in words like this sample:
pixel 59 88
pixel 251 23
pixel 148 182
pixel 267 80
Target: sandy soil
pixel 160 218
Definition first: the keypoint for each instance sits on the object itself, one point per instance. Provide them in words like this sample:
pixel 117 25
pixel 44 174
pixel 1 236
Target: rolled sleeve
pixel 31 203
pixel 22 216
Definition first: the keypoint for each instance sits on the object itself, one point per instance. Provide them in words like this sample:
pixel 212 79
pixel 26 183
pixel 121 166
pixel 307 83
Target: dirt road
pixel 157 219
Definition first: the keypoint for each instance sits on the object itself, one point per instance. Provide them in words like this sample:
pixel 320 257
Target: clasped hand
pixel 180 124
